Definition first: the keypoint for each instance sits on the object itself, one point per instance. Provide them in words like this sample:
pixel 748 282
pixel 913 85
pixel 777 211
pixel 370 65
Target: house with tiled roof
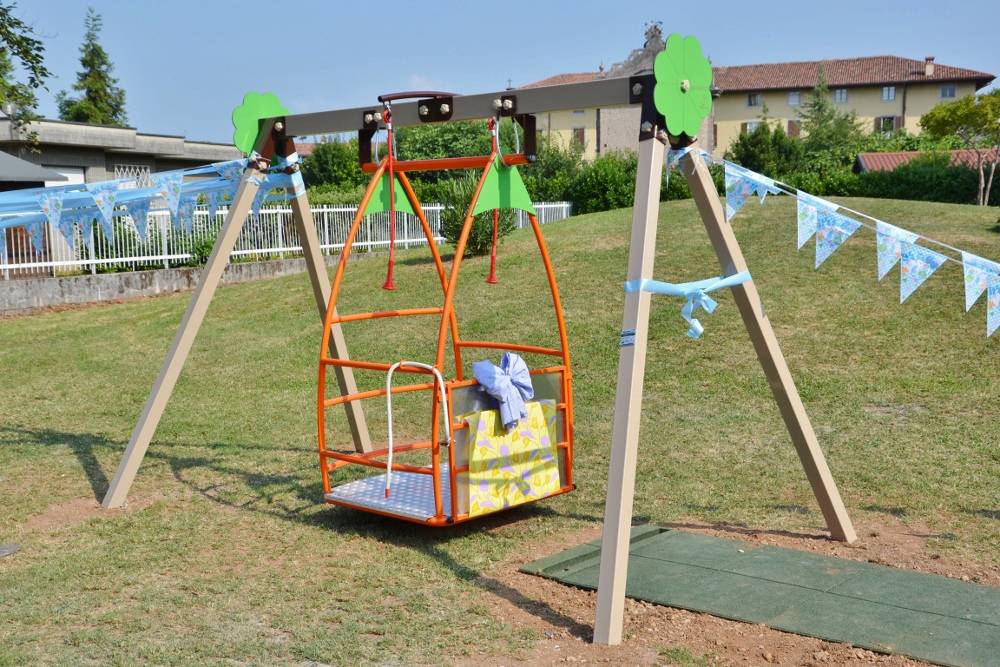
pixel 886 92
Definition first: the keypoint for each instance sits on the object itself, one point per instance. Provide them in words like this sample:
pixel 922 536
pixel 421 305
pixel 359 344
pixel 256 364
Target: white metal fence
pixel 268 235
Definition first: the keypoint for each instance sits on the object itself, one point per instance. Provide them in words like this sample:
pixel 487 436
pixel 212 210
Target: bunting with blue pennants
pixel 741 183
pixel 138 210
pixel 889 241
pixel 66 208
pixel 832 229
pixel 831 225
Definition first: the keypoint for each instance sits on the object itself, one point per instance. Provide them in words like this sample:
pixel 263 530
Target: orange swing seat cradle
pixel 436 494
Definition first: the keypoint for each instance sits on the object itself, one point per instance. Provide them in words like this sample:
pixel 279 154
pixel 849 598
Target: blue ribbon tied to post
pixel 695 295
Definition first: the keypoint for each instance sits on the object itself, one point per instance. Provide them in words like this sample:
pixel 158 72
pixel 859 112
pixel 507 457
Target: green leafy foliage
pixel 334 163
pixel 18 99
pixel 606 183
pixel 550 177
pixel 826 128
pixel 456 194
pixel 768 151
pixel 927 178
pixel 976 123
pixel 101 101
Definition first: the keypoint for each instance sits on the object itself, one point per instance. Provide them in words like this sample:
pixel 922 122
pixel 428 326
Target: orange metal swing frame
pixel 331 460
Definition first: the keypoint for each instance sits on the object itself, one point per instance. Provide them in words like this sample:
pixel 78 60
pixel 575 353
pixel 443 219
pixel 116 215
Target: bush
pixel 334 163
pixel 767 151
pixel 551 176
pixel 606 183
pixel 336 196
pixel 455 195
pixel 927 178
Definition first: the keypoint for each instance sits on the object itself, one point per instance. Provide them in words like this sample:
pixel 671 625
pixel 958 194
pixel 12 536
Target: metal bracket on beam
pixel 528 124
pixel 369 126
pixel 508 105
pixel 435 109
pixel 640 90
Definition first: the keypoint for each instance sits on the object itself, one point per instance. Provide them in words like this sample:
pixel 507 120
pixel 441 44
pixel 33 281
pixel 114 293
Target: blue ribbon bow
pixel 509 383
pixel 696 294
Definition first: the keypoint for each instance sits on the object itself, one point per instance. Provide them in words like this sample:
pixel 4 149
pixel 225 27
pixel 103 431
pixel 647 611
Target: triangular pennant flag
pixel 918 263
pixel 36 232
pixel 52 206
pixel 888 241
pixel 503 189
pixel 977 276
pixel 807 215
pixel 212 199
pixel 138 210
pixel 260 198
pixel 232 170
pixel 808 208
pixel 67 225
pixel 738 190
pixel 832 229
pixel 993 306
pixel 169 184
pixel 185 213
pixel 380 197
pixel 105 195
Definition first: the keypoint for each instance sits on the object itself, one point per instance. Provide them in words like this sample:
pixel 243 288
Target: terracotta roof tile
pixel 891 160
pixel 572 77
pixel 868 71
pixel 843 73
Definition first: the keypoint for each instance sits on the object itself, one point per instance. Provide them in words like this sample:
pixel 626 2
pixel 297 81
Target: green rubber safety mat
pixel 880 608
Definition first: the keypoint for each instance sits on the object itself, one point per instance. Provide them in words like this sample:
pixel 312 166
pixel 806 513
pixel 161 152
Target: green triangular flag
pixel 380 198
pixel 503 189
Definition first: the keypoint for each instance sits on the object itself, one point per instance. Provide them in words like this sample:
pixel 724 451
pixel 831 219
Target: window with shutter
pixel 579 135
pixel 794 128
pixel 743 128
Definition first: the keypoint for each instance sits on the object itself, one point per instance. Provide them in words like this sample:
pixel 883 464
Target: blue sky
pixel 185 64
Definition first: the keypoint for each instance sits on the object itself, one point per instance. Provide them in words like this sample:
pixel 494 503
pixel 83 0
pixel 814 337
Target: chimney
pixel 929 66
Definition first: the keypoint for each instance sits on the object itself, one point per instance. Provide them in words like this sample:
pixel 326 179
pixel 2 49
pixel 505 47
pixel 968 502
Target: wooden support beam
pixel 211 275
pixel 765 343
pixel 631 366
pixel 628 399
pixel 183 340
pixel 320 280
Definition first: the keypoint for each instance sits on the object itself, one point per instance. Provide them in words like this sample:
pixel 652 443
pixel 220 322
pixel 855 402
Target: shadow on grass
pixel 986 514
pixel 288 497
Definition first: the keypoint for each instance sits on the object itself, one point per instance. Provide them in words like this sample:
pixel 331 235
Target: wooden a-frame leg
pixel 628 400
pixel 302 217
pixel 183 340
pixel 768 351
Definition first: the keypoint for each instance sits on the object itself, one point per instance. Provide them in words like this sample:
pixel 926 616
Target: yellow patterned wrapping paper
pixel 507 469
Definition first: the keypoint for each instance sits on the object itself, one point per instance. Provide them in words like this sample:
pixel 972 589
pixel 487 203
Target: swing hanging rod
pixel 618 91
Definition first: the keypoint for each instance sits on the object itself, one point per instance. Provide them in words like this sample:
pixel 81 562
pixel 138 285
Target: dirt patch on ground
pixel 78 510
pixel 655 635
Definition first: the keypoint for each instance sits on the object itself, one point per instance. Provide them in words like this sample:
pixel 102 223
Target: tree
pixel 17 99
pixel 101 101
pixel 334 163
pixel 976 122
pixel 767 151
pixel 826 128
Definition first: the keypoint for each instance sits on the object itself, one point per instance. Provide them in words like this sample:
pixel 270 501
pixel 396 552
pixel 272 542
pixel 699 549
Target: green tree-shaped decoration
pixel 101 101
pixel 683 93
pixel 246 118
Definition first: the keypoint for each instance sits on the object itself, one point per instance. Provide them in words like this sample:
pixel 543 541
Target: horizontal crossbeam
pixel 616 91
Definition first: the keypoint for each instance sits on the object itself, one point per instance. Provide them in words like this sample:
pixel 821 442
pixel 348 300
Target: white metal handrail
pixel 388 407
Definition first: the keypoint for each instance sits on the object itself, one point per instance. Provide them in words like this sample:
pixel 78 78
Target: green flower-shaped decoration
pixel 246 118
pixel 683 93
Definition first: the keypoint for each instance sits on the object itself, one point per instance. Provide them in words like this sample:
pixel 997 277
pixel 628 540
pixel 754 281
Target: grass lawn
pixel 233 557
